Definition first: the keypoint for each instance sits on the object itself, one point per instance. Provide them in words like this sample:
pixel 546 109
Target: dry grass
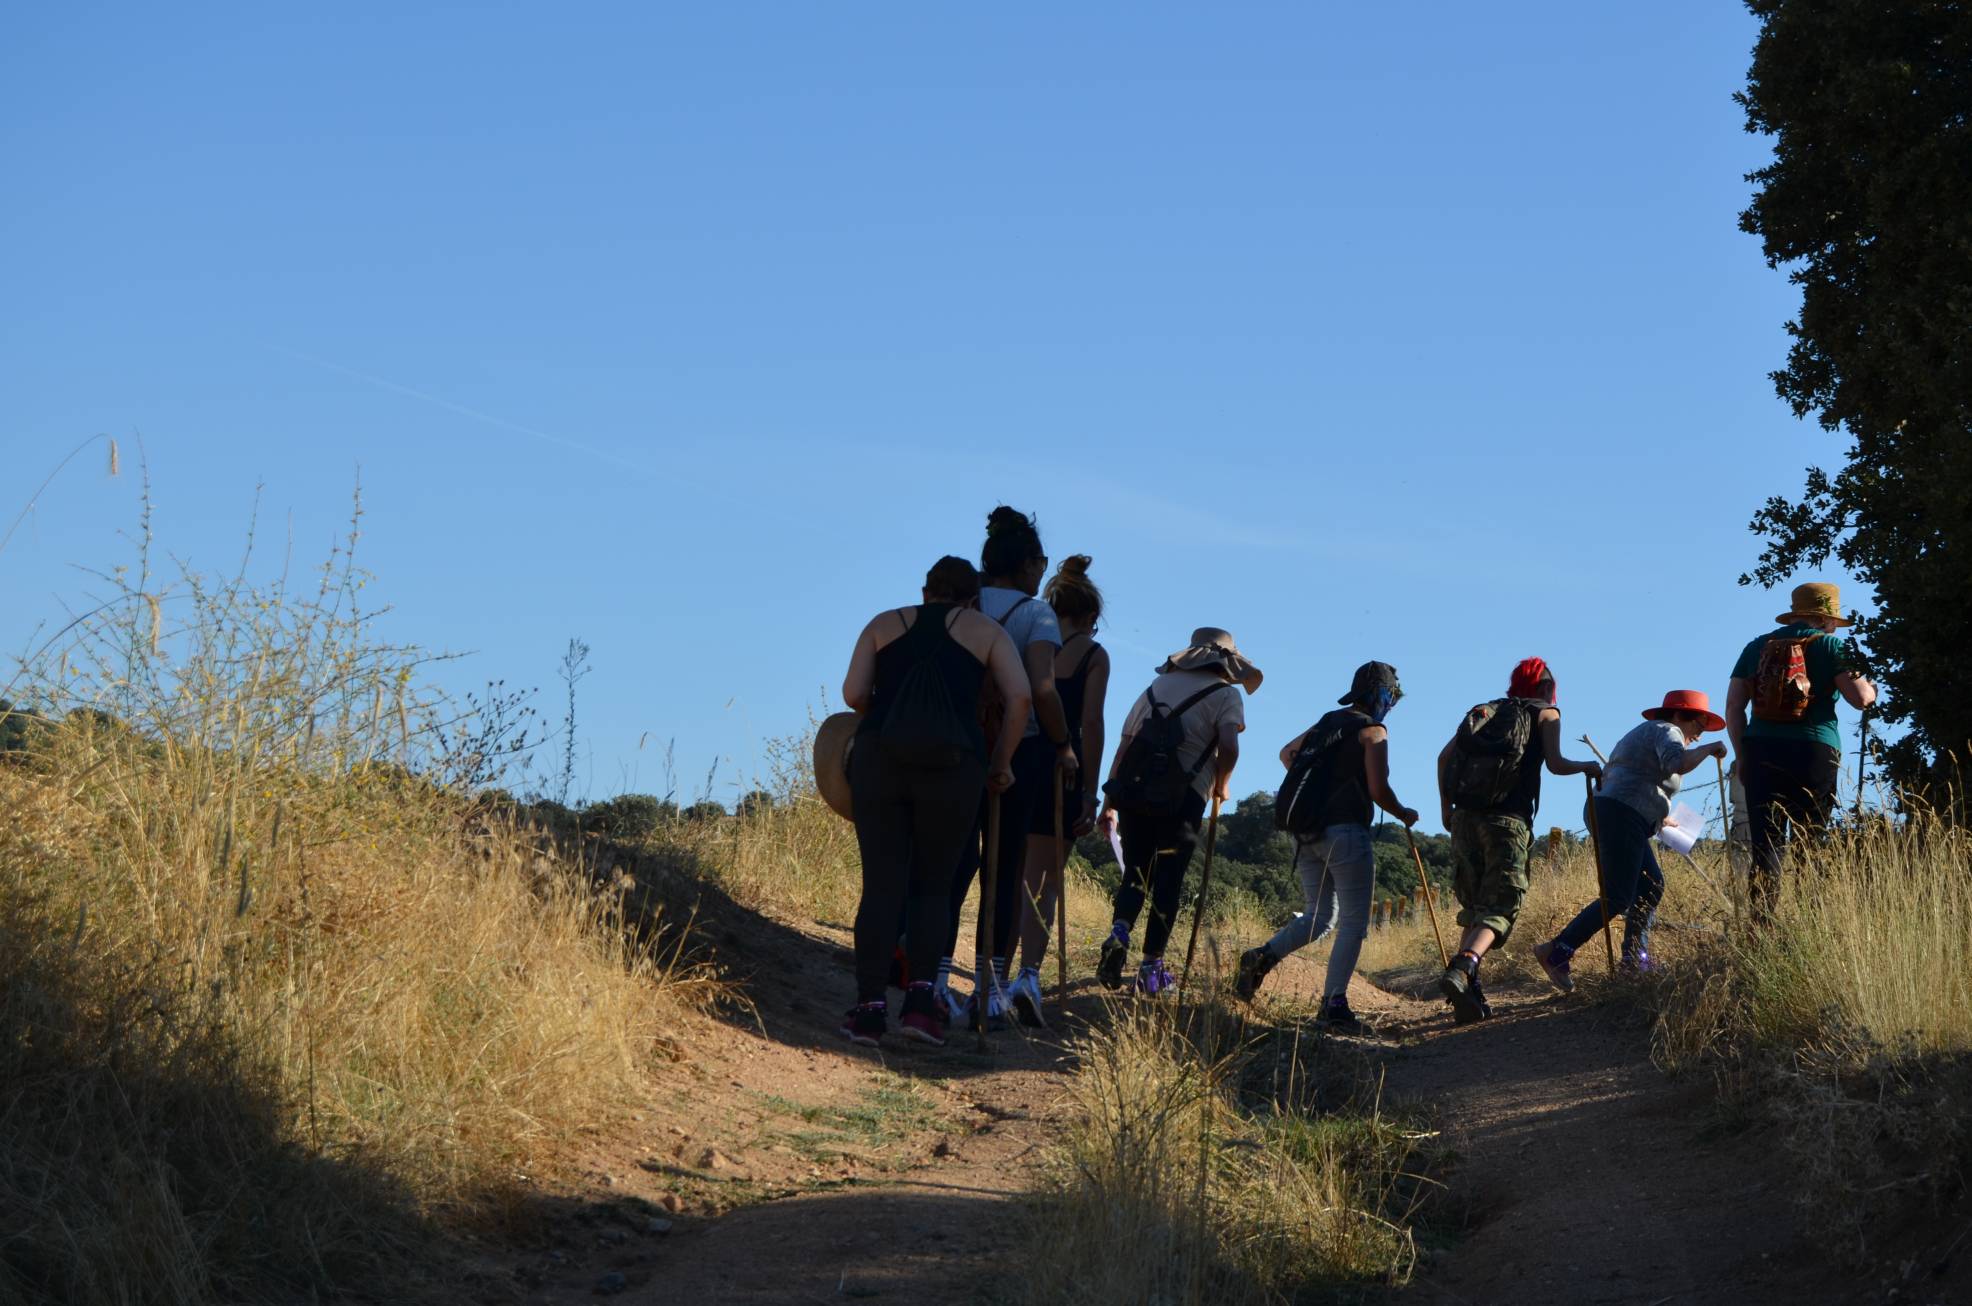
pixel 1170 1187
pixel 1848 1022
pixel 271 1000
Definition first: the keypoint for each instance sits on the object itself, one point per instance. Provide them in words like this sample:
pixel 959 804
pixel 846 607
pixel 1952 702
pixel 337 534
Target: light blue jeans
pixel 1338 874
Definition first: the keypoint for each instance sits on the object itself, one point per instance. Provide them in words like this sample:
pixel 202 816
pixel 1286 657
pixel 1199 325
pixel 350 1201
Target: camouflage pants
pixel 1489 868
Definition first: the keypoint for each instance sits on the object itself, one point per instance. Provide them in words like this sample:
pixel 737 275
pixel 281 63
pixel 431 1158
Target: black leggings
pixel 1033 784
pixel 1788 782
pixel 911 826
pixel 1157 848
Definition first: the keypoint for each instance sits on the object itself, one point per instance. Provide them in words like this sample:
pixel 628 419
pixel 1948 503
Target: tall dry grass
pixel 273 995
pixel 1171 1186
pixel 1847 1021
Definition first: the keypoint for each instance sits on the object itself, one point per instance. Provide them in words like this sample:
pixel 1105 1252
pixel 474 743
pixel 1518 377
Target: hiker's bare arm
pixel 1551 749
pixel 856 686
pixel 1293 747
pixel 1096 689
pixel 1039 658
pixel 1856 690
pixel 1446 756
pixel 1225 759
pixel 1739 692
pixel 1003 664
pixel 1696 757
pixel 1376 765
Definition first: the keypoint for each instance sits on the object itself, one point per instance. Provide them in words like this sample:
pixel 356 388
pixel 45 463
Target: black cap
pixel 1370 677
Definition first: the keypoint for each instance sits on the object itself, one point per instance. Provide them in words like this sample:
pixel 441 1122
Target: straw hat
pixel 1213 647
pixel 833 739
pixel 1815 601
pixel 1686 700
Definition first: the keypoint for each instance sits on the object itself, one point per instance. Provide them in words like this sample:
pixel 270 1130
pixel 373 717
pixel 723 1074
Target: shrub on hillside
pixel 628 817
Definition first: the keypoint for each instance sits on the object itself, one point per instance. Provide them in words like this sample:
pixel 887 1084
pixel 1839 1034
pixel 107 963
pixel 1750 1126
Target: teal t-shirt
pixel 1828 657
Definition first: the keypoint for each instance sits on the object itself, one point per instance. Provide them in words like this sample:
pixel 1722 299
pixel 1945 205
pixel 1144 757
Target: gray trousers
pixel 1338 873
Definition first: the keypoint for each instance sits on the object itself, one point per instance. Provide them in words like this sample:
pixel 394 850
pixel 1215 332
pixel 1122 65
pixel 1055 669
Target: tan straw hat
pixel 833 739
pixel 1815 601
pixel 1212 647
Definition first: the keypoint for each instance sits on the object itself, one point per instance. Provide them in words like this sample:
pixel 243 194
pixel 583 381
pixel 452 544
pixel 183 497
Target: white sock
pixel 1000 969
pixel 944 972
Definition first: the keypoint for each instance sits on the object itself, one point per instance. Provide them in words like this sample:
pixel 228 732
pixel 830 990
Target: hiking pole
pixel 1597 751
pixel 1862 760
pixel 1725 814
pixel 1601 885
pixel 1424 883
pixel 1060 893
pixel 985 983
pixel 1204 888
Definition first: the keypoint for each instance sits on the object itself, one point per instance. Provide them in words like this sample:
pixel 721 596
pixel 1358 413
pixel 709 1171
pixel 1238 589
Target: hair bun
pixel 1075 564
pixel 1004 518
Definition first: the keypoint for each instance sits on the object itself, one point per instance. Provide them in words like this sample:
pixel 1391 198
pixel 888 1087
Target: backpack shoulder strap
pixel 1022 602
pixel 1191 702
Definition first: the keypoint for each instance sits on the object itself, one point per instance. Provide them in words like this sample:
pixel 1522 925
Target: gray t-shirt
pixel 1032 622
pixel 1642 772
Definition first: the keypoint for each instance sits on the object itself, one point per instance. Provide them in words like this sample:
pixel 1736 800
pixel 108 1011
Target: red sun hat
pixel 1686 700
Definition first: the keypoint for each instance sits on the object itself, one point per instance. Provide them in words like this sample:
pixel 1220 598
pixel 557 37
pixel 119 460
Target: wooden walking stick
pixel 1725 814
pixel 1204 888
pixel 1430 903
pixel 1060 891
pixel 985 983
pixel 1601 886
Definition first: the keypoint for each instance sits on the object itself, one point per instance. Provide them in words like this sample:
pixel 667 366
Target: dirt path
pixel 798 1169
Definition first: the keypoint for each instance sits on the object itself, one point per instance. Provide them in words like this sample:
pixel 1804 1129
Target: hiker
pixel 916 771
pixel 1179 746
pixel 1790 753
pixel 1014 566
pixel 1645 771
pixel 1082 680
pixel 1336 769
pixel 1489 787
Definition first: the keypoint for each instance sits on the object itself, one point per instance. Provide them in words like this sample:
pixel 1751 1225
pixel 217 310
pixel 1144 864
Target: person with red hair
pixel 1489 786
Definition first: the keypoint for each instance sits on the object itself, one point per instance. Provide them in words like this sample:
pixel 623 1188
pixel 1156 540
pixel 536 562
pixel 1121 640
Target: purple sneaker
pixel 1638 964
pixel 1554 960
pixel 1153 977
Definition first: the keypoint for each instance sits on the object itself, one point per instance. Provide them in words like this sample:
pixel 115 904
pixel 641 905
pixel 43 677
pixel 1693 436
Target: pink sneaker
pixel 921 1022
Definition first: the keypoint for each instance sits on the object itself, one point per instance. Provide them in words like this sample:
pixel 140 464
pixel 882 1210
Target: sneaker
pixel 1115 951
pixel 1026 996
pixel 1457 986
pixel 1153 977
pixel 949 1005
pixel 996 1004
pixel 864 1024
pixel 1554 960
pixel 1335 1015
pixel 922 1020
pixel 1638 964
pixel 1254 964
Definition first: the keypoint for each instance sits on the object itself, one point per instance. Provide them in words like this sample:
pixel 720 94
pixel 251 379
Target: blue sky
pixel 1422 333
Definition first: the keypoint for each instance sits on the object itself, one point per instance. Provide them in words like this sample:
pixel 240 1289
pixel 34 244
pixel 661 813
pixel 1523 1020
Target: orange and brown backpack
pixel 1782 690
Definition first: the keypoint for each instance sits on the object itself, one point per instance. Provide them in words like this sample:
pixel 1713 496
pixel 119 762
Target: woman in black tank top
pixel 916 773
pixel 1081 677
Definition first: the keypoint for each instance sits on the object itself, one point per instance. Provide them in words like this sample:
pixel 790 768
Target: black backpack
pixel 1301 805
pixel 1488 750
pixel 1151 772
pixel 923 729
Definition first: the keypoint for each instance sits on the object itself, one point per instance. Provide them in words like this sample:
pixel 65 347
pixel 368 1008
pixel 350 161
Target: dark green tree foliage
pixel 628 817
pixel 1868 204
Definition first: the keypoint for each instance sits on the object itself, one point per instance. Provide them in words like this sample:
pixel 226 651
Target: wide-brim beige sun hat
pixel 834 737
pixel 1212 647
pixel 1815 601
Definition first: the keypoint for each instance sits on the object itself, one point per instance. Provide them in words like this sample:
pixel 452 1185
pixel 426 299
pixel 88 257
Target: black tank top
pixel 1347 784
pixel 1074 691
pixel 1526 796
pixel 929 637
